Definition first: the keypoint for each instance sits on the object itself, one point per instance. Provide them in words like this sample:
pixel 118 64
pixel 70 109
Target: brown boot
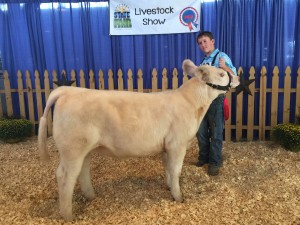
pixel 213 170
pixel 200 163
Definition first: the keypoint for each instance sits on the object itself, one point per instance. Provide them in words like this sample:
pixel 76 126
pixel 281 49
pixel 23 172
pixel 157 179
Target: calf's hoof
pixel 90 196
pixel 179 199
pixel 66 216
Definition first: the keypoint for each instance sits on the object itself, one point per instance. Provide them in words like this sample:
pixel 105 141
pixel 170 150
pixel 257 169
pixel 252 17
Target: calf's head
pixel 215 77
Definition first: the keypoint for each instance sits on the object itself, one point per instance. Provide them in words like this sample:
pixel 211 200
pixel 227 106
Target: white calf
pixel 127 124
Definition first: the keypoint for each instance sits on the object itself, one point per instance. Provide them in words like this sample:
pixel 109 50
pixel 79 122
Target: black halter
pixel 220 87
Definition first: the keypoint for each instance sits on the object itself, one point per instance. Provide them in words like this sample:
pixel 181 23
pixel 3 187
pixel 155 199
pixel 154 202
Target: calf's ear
pixel 189 67
pixel 235 81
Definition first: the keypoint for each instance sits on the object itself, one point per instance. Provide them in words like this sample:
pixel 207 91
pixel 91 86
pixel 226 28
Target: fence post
pixel 82 79
pixel 262 103
pixel 164 85
pixel 21 95
pixel 154 80
pixel 47 93
pixel 239 112
pixel 120 80
pixel 129 80
pixel 92 79
pixel 250 117
pixel 73 78
pixel 101 80
pixel 30 97
pixel 287 95
pixel 54 78
pixel 110 80
pixel 175 79
pixel 185 77
pixel 274 99
pixel 8 94
pixel 140 81
pixel 38 94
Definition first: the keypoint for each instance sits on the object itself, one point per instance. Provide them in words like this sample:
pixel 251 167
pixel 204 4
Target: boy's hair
pixel 205 33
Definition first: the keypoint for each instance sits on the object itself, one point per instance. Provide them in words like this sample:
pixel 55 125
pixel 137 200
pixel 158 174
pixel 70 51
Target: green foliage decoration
pixel 14 130
pixel 287 135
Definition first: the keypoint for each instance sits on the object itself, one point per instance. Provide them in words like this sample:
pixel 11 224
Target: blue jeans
pixel 210 133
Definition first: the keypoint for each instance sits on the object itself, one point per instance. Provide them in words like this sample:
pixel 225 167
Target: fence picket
pixel 164 85
pixel 274 99
pixel 175 79
pixel 21 95
pixel 154 80
pixel 38 94
pixel 54 78
pixel 140 81
pixel 47 93
pixel 101 80
pixel 120 80
pixel 92 79
pixel 110 80
pixel 73 78
pixel 262 103
pixel 239 112
pixel 82 78
pixel 287 95
pixel 250 111
pixel 185 77
pixel 30 97
pixel 129 80
pixel 8 94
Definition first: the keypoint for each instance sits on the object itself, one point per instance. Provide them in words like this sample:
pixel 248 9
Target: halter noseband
pixel 220 87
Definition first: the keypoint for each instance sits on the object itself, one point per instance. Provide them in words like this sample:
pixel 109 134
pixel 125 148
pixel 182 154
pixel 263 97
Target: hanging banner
pixel 135 17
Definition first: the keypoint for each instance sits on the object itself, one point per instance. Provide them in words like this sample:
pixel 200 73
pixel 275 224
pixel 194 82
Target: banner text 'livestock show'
pixel 153 11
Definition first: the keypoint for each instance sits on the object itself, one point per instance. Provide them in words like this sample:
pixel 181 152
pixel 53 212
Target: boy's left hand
pixel 222 63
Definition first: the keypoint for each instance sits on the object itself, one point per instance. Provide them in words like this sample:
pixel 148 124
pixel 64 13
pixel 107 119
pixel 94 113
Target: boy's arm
pixel 226 64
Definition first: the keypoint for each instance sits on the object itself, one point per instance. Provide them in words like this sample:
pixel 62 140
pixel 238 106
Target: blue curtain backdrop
pixel 48 35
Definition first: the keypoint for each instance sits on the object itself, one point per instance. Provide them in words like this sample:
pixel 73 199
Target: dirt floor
pixel 258 184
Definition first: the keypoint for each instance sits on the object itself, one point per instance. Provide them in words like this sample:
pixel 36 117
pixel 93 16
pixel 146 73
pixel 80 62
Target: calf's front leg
pixel 174 165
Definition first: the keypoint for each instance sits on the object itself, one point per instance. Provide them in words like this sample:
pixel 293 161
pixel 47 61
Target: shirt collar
pixel 213 53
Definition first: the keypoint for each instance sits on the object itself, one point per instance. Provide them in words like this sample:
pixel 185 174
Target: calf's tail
pixel 42 133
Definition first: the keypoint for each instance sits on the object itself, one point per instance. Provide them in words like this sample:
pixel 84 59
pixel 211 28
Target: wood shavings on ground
pixel 259 183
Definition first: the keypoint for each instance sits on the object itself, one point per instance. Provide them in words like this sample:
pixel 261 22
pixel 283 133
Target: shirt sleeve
pixel 228 62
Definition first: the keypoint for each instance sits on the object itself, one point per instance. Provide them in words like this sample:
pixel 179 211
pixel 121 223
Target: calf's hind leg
pixel 165 165
pixel 85 179
pixel 67 174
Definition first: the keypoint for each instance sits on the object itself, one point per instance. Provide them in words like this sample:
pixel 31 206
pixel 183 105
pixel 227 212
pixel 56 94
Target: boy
pixel 210 133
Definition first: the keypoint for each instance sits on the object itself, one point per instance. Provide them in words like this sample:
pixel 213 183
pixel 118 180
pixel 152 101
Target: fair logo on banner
pixel 189 17
pixel 136 18
pixel 122 17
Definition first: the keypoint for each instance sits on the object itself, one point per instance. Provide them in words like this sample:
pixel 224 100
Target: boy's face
pixel 206 45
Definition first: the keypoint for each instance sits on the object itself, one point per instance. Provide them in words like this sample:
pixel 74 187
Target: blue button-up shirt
pixel 209 59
